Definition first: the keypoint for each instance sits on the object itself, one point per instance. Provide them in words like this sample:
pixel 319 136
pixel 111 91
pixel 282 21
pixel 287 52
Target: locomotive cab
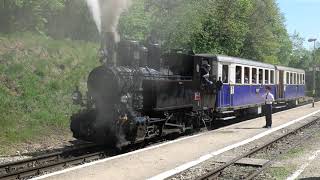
pixel 206 80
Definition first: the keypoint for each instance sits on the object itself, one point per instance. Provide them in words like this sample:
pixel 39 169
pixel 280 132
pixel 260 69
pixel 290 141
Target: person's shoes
pixel 265 127
pixel 269 127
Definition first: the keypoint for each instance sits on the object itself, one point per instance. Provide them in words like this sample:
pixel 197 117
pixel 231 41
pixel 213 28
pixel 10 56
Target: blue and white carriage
pixel 244 83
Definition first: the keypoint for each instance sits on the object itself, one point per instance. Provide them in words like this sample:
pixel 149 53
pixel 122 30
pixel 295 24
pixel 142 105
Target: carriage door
pixel 224 96
pixel 280 89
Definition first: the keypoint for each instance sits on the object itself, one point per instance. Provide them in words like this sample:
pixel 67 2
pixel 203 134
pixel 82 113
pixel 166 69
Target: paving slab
pixel 144 164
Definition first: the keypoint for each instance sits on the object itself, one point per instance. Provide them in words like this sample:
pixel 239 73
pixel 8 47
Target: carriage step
pixel 227 118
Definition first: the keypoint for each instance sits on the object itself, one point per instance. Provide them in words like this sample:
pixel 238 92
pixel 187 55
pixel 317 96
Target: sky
pixel 302 16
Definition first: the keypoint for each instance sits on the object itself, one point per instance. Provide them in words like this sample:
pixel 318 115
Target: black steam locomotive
pixel 140 93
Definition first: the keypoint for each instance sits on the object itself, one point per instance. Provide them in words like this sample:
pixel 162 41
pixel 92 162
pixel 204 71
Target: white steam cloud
pixel 106 14
pixel 94 6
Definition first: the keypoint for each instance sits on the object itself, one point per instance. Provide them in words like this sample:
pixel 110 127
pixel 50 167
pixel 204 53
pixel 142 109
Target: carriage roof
pixel 235 60
pixel 283 68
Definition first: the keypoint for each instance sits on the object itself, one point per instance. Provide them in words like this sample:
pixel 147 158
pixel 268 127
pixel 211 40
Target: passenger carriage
pixel 290 84
pixel 244 83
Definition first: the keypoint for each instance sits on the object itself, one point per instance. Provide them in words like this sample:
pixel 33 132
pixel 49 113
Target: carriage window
pixel 246 75
pixel 254 76
pixel 271 77
pixel 291 78
pixel 225 74
pixel 260 76
pixel 288 78
pixel 298 79
pixel 266 76
pixel 238 74
pixel 303 79
pixel 295 78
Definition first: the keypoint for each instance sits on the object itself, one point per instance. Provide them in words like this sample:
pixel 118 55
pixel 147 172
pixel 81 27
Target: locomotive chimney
pixel 108 49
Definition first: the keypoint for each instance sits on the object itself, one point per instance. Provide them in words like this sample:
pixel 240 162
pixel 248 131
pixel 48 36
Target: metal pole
pixel 314 74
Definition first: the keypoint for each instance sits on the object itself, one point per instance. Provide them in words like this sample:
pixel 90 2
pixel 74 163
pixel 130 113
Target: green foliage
pixel 300 57
pixel 38 76
pixel 26 14
pixel 245 28
pixel 224 28
pixel 251 29
pixel 135 24
pixel 268 39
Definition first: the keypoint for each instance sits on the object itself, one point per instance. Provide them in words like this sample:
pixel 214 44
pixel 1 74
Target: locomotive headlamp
pixel 124 99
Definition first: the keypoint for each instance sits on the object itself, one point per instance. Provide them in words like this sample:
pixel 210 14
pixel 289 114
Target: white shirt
pixel 269 98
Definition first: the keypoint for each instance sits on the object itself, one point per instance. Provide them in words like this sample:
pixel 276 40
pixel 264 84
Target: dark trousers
pixel 268 113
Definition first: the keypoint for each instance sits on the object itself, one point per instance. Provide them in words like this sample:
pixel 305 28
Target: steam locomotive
pixel 140 93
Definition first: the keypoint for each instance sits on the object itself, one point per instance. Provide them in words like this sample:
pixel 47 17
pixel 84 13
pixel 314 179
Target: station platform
pixel 166 159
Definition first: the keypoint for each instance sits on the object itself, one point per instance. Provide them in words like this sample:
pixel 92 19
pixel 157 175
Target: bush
pixel 38 77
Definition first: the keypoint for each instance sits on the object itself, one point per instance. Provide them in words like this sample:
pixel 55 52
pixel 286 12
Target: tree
pixel 267 39
pixel 26 15
pixel 224 28
pixel 300 57
pixel 135 24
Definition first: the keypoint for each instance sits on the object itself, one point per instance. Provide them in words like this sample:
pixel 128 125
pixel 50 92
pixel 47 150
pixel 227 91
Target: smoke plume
pixel 94 7
pixel 108 14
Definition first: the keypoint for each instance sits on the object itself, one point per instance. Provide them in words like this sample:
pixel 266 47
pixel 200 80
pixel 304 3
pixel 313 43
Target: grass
pixel 294 153
pixel 284 172
pixel 280 173
pixel 38 76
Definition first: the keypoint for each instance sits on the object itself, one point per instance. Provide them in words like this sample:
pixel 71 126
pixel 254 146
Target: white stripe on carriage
pixel 164 144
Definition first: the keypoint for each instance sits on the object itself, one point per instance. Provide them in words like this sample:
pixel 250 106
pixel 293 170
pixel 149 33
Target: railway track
pixel 42 164
pixel 218 172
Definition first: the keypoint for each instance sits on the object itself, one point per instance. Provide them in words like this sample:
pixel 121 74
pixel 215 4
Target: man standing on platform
pixel 269 98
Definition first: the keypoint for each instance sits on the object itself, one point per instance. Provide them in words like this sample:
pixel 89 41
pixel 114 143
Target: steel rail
pixel 15 170
pixel 35 171
pixel 215 173
pixel 273 160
